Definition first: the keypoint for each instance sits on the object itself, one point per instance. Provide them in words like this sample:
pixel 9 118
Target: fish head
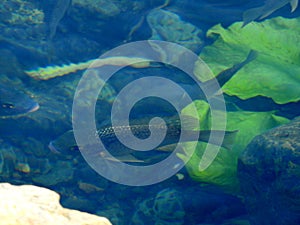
pixel 65 144
pixel 15 102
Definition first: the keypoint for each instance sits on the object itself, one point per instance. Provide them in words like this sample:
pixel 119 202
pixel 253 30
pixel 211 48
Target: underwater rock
pixel 13 162
pixel 100 8
pixel 7 160
pixel 22 28
pixel 190 203
pixel 114 213
pixel 29 204
pixel 60 172
pixel 269 172
pixel 168 26
pixel 39 165
pixel 20 12
pixel 34 147
pixel 95 18
pixel 79 202
pixel 166 208
pixel 144 213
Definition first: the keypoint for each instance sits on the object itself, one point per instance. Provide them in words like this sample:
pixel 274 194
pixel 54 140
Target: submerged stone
pixel 61 172
pixel 269 172
pixel 29 204
pixel 168 26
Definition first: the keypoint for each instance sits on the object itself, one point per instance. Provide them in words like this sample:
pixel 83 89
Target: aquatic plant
pixel 222 171
pixel 275 73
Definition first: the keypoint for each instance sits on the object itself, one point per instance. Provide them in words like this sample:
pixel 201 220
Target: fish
pixel 59 10
pixel 66 143
pixel 195 93
pixel 225 75
pixel 191 90
pixel 267 9
pixel 15 102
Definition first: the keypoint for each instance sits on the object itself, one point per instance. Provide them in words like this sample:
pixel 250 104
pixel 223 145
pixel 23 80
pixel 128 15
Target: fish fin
pixel 228 139
pixel 268 13
pixel 231 106
pixel 53 149
pixel 190 123
pixel 251 14
pixel 166 148
pixel 294 5
pixel 125 158
pixel 270 7
pixel 251 55
pixel 224 76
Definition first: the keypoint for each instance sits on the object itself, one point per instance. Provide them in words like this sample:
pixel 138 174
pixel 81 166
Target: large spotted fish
pixel 141 129
pixel 66 143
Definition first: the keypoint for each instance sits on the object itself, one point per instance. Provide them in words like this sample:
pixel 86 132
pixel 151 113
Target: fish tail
pixel 251 56
pixel 294 5
pixel 251 14
pixel 228 138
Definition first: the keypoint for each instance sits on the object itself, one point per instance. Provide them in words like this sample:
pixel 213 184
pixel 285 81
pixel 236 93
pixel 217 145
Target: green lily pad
pixel 222 171
pixel 275 73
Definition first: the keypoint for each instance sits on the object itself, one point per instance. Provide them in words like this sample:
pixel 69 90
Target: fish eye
pixel 7 106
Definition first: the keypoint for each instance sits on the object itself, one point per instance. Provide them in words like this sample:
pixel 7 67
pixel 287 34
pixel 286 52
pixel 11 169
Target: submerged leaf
pixel 275 73
pixel 222 171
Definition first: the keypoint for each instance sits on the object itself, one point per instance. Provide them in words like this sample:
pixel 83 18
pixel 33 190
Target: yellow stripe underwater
pixel 45 73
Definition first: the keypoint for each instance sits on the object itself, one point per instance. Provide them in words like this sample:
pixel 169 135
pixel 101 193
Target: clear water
pixel 62 33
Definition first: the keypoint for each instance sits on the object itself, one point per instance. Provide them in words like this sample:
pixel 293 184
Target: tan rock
pixel 31 205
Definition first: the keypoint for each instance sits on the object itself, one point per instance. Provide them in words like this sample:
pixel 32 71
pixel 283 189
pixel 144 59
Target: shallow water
pixel 41 48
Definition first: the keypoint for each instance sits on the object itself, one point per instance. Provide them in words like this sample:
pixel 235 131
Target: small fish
pixel 59 10
pixel 227 74
pixel 267 9
pixel 15 102
pixel 66 143
pixel 224 76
